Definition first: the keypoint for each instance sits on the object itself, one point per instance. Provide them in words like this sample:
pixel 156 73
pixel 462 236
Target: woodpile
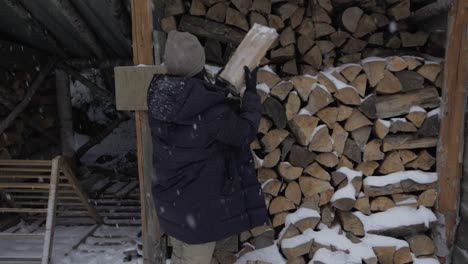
pixel 355 163
pixel 347 141
pixel 314 34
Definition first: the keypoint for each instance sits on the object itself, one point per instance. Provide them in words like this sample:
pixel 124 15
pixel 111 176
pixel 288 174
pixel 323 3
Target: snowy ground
pixel 104 245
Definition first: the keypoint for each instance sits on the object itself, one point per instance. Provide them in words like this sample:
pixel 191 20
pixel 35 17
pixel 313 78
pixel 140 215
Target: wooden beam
pixel 64 110
pixel 142 32
pixel 27 98
pixel 450 149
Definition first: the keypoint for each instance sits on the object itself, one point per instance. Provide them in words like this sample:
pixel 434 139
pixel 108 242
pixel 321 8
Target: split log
pixel 348 95
pixel 257 18
pixel 344 112
pixel 262 6
pixel 272 187
pixel 430 71
pixel 297 250
pixel 372 151
pixel 413 62
pixel 428 198
pixel 360 83
pixel 286 10
pixel 281 204
pixel 304 43
pixel 275 22
pixel 242 5
pixel 297 17
pixel 197 8
pixel 311 186
pixel 303 85
pixel 168 24
pixel 211 30
pixel 400 11
pixel 356 120
pixel 217 12
pixel 279 219
pixel 327 159
pixel 301 157
pixel 314 57
pixel 316 171
pixel 385 255
pixel 290 67
pixel 381 128
pixel 353 45
pixel 173 8
pixel 320 140
pixel 430 126
pixel 425 161
pixel 235 18
pixel 351 223
pixel 265 125
pixel 302 127
pixel 352 151
pixel 292 106
pixel 403 256
pixel 421 245
pixel 417 39
pixel 389 84
pixel 322 30
pixel 368 167
pixel 282 89
pixel 339 38
pixel 264 174
pixel 351 71
pixel 271 159
pixel 339 138
pixel 329 116
pixel 318 99
pixel 401 125
pixel 400 104
pixel 396 142
pixel 273 138
pixel 287 37
pixel 362 205
pixel 361 136
pixel 350 18
pixel 267 76
pixel 410 80
pixel 294 194
pixel 374 68
pixel 283 54
pixel 365 26
pixel 381 203
pixel 275 111
pixel 289 172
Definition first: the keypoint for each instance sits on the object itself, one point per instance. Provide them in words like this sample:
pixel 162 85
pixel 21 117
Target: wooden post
pixel 142 31
pixel 450 155
pixel 62 83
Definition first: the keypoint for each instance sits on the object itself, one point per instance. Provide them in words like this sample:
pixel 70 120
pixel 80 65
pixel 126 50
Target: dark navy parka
pixel 204 184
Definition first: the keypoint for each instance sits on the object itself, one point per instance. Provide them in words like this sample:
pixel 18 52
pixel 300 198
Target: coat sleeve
pixel 240 129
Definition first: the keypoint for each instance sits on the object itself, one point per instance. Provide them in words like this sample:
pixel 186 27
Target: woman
pixel 204 184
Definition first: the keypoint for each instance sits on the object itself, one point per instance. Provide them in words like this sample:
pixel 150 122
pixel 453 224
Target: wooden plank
pixel 131 86
pixel 9 169
pixel 65 168
pixel 115 188
pixel 26 162
pixel 142 27
pixel 17 259
pixel 22 235
pixel 51 206
pixel 452 114
pixel 124 191
pixel 7 185
pixel 211 30
pixel 32 176
pixel 23 210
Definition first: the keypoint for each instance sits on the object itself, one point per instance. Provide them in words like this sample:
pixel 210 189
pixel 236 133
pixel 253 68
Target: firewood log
pixel 301 157
pixel 401 125
pixel 314 57
pixel 262 6
pixel 407 156
pixel 329 116
pixel 316 171
pixel 410 80
pixel 374 68
pixel 368 167
pixel 413 62
pixel 366 25
pixel 168 24
pixel 272 187
pixel 344 112
pixel 361 136
pixel 320 140
pixel 428 198
pixel 372 151
pixel 272 158
pixel 257 18
pixel 287 37
pixel 286 10
pixel 237 19
pixel 281 204
pixel 264 174
pixel 289 172
pixel 388 84
pixel 352 151
pixel 381 203
pixel 297 17
pixel 273 138
pixel 327 159
pixel 401 141
pixel 197 8
pixel 290 67
pixel 396 64
pixel 363 205
pixel 318 99
pixel 430 71
pixel 217 12
pixel 275 22
pixel 356 120
pixel 173 8
pixel 413 39
pixel 303 86
pixel 311 186
pixel 302 127
pixel 385 255
pixel 275 111
pixel 421 245
pixel 417 115
pixel 350 18
pixel 279 219
pixel 339 37
pixel 292 106
pixel 339 137
pixel 351 223
pixel 293 193
pixel 242 5
pixel 425 161
pixel 360 83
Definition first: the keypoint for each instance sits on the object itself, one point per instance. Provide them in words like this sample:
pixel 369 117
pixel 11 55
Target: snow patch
pixel 300 214
pixel 434 112
pixel 384 122
pixel 269 254
pixel 396 177
pixel 396 217
pixel 417 108
pixel 263 87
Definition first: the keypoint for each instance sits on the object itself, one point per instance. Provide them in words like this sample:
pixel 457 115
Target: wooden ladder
pixel 34 189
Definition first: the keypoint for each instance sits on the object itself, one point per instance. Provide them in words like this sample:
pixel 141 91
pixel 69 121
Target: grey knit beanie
pixel 184 55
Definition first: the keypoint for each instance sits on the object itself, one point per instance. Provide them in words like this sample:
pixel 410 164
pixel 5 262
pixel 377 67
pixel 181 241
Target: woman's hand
pixel 250 79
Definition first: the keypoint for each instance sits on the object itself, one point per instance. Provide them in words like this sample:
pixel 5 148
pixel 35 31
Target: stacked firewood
pixel 346 146
pixel 351 147
pixel 314 34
